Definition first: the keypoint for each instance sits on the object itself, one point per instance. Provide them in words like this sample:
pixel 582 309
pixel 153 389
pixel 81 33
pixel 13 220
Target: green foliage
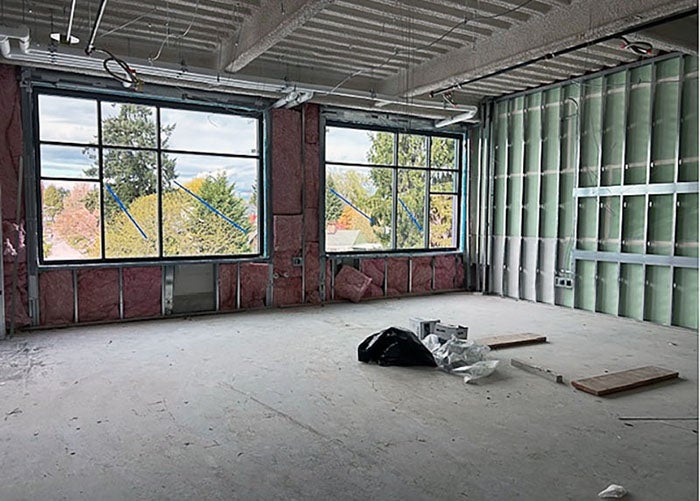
pixel 334 205
pixel 132 173
pixel 373 192
pixel 53 201
pixel 212 234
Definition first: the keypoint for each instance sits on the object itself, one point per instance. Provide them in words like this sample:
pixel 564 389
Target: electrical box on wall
pixel 564 281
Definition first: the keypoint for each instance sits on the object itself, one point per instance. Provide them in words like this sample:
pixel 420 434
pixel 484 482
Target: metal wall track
pixel 596 181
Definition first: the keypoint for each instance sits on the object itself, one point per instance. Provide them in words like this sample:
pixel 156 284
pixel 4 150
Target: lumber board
pixel 510 340
pixel 537 370
pixel 624 380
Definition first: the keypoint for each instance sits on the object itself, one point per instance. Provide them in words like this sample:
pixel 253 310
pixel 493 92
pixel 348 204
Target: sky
pixel 68 119
pixel 347 145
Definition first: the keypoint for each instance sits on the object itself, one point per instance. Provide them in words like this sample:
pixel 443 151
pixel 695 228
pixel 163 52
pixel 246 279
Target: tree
pixel 213 234
pixel 76 224
pixel 410 206
pixel 53 201
pixel 334 205
pixel 132 173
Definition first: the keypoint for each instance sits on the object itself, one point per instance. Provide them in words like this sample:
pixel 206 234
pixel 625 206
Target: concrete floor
pixel 274 405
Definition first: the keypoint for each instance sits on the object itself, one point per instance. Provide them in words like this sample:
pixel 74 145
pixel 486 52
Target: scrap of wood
pixel 624 380
pixel 539 371
pixel 497 342
pixel 657 418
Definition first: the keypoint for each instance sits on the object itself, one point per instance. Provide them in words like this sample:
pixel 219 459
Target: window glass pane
pixel 359 146
pixel 68 161
pixel 443 220
pixel 209 205
pixel 130 203
pixel 443 153
pixel 443 181
pixel 67 119
pixel 208 132
pixel 413 150
pixel 358 208
pixel 410 209
pixel 128 124
pixel 70 220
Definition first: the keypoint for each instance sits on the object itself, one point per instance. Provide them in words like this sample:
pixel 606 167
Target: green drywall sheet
pixel 550 164
pixel 665 125
pixel 631 290
pixel 533 152
pixel 500 168
pixel 660 225
pixel 633 239
pixel 607 289
pixel 585 289
pixel 591 133
pixel 685 298
pixel 609 224
pixel 688 168
pixel 613 130
pixel 515 169
pixel 586 232
pixel 567 180
pixel 657 295
pixel 607 139
pixel 687 225
pixel 638 125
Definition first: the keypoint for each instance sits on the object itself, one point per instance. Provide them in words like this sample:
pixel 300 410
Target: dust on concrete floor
pixel 274 405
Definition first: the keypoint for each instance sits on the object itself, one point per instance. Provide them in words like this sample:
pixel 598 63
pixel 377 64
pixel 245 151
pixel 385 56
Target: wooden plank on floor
pixel 509 340
pixel 624 380
pixel 537 370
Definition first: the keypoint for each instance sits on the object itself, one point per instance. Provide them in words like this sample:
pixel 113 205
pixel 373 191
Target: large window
pixel 133 180
pixel 390 191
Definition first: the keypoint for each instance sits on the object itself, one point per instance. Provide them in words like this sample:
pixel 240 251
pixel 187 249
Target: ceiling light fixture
pixel 462 117
pixel 294 98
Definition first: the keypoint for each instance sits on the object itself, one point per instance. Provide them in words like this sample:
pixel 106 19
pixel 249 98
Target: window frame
pixel 460 170
pixel 157 103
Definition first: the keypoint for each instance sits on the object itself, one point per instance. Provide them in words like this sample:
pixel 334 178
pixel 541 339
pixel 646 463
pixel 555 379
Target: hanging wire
pixel 429 45
pixel 168 34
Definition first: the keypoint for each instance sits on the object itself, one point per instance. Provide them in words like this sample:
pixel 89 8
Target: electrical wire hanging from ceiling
pixel 428 45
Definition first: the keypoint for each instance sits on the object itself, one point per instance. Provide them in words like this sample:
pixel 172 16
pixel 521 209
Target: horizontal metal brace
pixel 648 259
pixel 637 189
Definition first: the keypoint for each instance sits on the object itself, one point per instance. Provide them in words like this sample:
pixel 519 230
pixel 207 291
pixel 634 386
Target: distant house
pixel 348 240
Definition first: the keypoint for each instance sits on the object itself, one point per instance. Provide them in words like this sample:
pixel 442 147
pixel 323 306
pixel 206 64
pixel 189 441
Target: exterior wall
pixel 597 181
pixel 90 294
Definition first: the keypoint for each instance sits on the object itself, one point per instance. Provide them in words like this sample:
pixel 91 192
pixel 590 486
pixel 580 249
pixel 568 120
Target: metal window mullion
pixel 394 192
pixel 159 183
pixel 100 167
pixel 426 204
pixel 676 175
pixel 650 145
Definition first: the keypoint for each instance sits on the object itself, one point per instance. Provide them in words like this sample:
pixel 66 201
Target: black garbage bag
pixel 394 346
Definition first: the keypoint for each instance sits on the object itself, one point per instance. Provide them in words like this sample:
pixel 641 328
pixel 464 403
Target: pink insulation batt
pixel 98 295
pixel 445 271
pixel 227 286
pixel 351 284
pixel 421 274
pixel 142 291
pixel 56 297
pixel 254 278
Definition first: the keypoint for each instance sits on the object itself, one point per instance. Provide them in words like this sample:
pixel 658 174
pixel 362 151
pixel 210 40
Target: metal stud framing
pixel 634 277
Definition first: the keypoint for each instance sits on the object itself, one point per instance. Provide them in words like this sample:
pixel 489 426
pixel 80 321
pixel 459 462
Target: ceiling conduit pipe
pixel 75 60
